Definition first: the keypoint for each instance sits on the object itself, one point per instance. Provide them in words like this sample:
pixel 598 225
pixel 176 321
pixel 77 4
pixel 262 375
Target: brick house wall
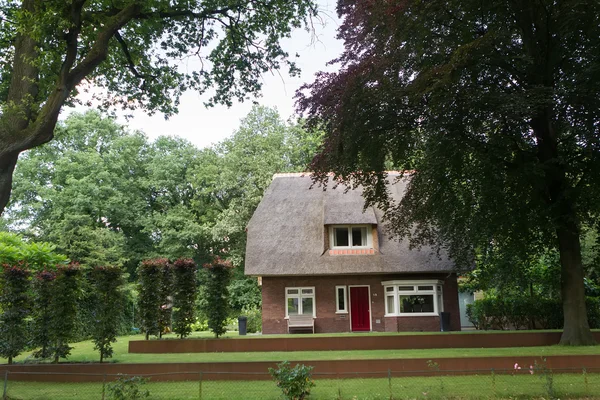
pixel 273 303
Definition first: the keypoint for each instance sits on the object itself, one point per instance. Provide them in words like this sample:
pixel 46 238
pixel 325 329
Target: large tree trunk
pixel 576 327
pixel 7 166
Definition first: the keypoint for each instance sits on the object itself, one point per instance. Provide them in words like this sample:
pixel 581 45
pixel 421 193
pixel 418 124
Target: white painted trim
pixel 337 300
pixel 415 283
pixel 299 295
pixel 433 282
pixel 350 306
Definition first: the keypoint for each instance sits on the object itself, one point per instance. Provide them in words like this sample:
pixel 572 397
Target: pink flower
pixel 531 369
pixel 517 366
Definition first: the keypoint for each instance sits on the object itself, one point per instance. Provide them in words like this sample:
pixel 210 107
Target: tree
pixel 35 255
pixel 185 291
pixel 15 305
pixel 63 307
pixel 107 283
pixel 216 295
pixel 128 49
pixel 150 299
pixel 42 313
pixel 495 107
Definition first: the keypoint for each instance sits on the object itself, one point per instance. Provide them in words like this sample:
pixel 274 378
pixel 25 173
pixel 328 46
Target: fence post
pixel 390 383
pixel 200 387
pixel 4 394
pixel 103 386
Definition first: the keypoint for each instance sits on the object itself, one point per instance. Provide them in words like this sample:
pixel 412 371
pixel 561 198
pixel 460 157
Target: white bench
pixel 303 322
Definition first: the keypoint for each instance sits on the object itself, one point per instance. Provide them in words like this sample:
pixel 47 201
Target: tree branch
pixel 130 63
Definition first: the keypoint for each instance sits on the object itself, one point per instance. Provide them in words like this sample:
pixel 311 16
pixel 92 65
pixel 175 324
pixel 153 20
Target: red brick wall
pixel 273 300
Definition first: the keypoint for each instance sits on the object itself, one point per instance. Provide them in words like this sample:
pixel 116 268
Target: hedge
pixel 525 313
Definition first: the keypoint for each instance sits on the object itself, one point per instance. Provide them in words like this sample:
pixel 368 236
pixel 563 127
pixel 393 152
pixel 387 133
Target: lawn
pixel 522 386
pixel 84 352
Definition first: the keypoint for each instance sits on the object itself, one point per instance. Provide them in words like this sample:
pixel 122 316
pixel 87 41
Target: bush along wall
pixel 217 304
pixel 185 290
pixel 15 304
pixel 525 313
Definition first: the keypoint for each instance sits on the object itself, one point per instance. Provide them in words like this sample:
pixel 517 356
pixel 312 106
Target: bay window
pixel 416 298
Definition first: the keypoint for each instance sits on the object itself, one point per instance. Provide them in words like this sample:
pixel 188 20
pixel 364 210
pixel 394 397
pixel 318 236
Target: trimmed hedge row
pixel 525 313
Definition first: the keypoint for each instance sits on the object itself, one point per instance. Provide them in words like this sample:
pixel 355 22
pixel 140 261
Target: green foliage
pixel 296 382
pixel 65 296
pixel 128 388
pixel 184 296
pixel 42 313
pixel 107 283
pixel 512 312
pixel 254 315
pixel 15 303
pixel 14 249
pixel 166 296
pixel 483 103
pixel 217 296
pixel 244 293
pixel 149 300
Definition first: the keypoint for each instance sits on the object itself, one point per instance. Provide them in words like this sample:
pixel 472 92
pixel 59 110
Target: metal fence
pixel 481 384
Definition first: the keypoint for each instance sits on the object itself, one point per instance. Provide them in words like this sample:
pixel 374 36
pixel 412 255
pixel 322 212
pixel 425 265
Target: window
pixel 350 236
pixel 413 298
pixel 300 301
pixel 340 300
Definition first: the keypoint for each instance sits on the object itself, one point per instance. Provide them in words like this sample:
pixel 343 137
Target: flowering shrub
pixel 296 382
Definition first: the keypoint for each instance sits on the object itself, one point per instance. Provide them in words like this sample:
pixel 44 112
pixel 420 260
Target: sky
pixel 205 126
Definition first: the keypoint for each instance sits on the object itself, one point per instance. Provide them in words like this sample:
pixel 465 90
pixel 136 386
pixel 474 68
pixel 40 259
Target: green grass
pixel 84 352
pixel 522 386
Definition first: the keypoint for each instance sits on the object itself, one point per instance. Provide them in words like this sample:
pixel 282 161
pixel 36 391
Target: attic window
pixel 350 236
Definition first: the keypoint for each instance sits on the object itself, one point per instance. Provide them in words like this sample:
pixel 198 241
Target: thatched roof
pixel 286 233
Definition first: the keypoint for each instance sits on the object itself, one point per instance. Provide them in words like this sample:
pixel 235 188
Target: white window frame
pixel 338 310
pixel 349 227
pixel 437 291
pixel 300 296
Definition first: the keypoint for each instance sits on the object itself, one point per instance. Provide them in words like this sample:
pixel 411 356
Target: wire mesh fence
pixel 480 384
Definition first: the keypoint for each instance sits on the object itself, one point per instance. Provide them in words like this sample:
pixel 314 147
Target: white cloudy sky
pixel 204 126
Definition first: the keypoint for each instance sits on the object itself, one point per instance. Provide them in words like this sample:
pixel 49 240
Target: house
pixel 321 254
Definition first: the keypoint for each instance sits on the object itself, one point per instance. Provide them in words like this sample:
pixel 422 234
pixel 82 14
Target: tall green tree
pixel 130 50
pixel 496 108
pixel 15 306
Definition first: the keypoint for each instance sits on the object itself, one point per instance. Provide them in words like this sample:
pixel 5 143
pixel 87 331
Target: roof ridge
pixel 303 174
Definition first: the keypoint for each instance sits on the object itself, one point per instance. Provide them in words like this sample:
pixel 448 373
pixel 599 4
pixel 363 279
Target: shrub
pixel 184 296
pixel 65 293
pixel 525 312
pixel 296 382
pixel 254 316
pixel 15 304
pixel 149 300
pixel 42 313
pixel 216 295
pixel 107 283
pixel 128 388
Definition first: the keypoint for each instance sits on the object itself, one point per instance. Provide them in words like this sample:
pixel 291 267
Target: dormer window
pixel 350 236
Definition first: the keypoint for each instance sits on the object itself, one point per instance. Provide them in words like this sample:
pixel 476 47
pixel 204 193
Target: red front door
pixel 359 308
